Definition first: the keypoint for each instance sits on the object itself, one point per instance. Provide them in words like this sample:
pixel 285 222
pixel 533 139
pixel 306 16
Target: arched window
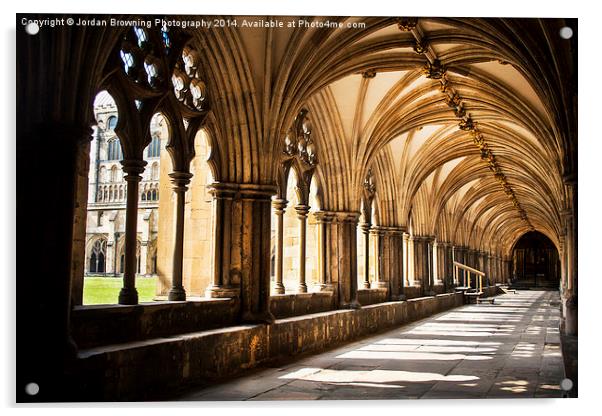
pixel 154 197
pixel 114 150
pixel 154 147
pixel 111 123
pixel 102 174
pixel 155 171
pixel 97 256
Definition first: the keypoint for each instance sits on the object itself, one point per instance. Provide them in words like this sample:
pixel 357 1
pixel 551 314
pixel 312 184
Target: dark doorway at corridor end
pixel 535 262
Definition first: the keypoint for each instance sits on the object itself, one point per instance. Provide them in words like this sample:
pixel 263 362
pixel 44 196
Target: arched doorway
pixel 535 261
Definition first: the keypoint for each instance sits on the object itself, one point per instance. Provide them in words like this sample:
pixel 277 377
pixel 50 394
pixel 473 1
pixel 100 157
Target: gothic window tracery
pixel 187 80
pixel 97 256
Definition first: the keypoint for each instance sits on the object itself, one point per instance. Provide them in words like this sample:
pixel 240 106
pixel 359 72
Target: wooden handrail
pixel 468 268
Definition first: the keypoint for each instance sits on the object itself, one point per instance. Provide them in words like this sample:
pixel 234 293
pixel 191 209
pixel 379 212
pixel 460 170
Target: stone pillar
pixel 439 264
pixel 406 259
pixel 393 262
pixel 254 243
pixel 279 206
pixel 180 181
pixel 569 292
pixel 324 220
pixel 302 211
pixel 461 257
pixel 221 241
pixel 365 227
pixel 448 266
pixel 343 258
pixel 422 264
pixel 133 169
pixel 506 270
pixel 48 153
pixel 381 256
pixel 489 270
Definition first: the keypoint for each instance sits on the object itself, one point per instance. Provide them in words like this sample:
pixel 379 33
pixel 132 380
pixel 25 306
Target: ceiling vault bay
pixel 477 154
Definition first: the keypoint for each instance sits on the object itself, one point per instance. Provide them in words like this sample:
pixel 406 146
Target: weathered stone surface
pixel 120 372
pixel 470 352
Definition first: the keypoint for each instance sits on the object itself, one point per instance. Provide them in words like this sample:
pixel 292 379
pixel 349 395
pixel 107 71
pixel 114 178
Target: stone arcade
pixel 317 185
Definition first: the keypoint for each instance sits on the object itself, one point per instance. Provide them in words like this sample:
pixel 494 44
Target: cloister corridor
pixel 507 349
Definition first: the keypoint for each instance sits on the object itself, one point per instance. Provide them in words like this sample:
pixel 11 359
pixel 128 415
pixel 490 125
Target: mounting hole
pixel 566 384
pixel 32 28
pixel 32 389
pixel 566 32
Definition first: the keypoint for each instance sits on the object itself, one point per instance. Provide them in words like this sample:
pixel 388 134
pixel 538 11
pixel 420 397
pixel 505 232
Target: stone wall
pixel 371 296
pixel 184 360
pixel 103 325
pixel 283 306
pixel 412 292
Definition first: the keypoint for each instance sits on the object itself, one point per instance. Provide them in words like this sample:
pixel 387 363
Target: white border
pixel 589 189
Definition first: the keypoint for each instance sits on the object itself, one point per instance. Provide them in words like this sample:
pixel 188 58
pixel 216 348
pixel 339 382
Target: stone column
pixel 381 264
pixel 504 269
pixel 448 266
pixel 324 221
pixel 133 169
pixel 279 206
pixel 405 259
pixel 461 257
pixel 569 292
pixel 422 265
pixel 221 241
pixel 302 211
pixel 365 227
pixel 343 258
pixel 255 203
pixel 392 262
pixel 180 181
pixel 438 264
pixel 491 268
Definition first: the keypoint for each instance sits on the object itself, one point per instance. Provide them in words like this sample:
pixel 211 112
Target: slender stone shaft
pixel 180 181
pixel 302 211
pixel 279 206
pixel 133 169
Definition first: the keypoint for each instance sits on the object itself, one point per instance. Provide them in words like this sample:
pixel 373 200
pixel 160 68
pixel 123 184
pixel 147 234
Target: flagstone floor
pixel 505 350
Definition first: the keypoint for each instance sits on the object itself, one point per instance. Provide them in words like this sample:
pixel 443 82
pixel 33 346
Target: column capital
pixel 324 216
pixel 392 229
pixel 257 191
pixel 346 216
pixel 242 190
pixel 302 211
pixel 425 238
pixel 368 228
pixel 133 169
pixel 180 180
pixel 279 205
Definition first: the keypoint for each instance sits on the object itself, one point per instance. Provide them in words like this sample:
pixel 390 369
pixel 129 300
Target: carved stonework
pixel 434 70
pixel 369 74
pixel 298 142
pixel 466 123
pixel 187 80
pixel 420 47
pixel 405 24
pixel 369 185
